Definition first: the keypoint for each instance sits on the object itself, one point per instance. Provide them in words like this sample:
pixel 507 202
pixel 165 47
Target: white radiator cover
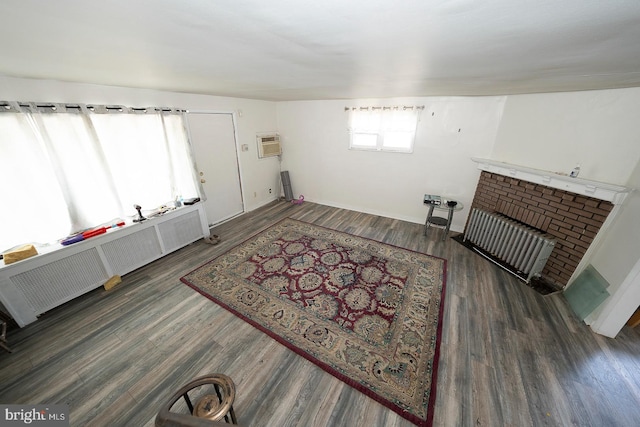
pixel 35 285
pixel 521 247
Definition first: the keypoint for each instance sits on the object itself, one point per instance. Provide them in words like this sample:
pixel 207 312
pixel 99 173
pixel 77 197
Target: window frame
pixel 382 126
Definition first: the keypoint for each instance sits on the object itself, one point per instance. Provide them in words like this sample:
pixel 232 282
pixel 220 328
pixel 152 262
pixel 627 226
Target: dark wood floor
pixel 509 356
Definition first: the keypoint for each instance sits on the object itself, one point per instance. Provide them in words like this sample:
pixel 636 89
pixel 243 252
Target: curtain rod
pixel 395 107
pixel 54 107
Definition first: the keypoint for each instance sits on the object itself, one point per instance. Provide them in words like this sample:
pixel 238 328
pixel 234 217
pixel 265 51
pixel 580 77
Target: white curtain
pixel 384 119
pixel 390 128
pixel 68 168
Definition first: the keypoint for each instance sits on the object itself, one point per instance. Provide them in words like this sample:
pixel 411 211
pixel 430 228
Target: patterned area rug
pixel 367 312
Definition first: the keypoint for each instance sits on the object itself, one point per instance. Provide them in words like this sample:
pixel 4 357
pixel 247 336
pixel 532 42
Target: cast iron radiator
pixel 521 247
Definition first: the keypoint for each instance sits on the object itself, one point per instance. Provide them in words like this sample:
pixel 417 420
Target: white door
pixel 214 144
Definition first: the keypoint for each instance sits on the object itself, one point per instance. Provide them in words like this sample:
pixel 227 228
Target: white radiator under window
pixel 523 248
pixel 35 285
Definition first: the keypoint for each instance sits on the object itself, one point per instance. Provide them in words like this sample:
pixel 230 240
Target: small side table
pixel 441 222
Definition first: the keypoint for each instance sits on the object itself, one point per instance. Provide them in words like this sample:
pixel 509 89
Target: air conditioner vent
pixel 269 145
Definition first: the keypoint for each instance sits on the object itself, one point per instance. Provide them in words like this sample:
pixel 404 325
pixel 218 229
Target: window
pixel 383 128
pixel 68 168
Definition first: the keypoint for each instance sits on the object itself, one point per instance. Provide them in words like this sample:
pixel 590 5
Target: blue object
pixel 73 239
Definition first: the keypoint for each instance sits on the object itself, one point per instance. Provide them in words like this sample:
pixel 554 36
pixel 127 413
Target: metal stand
pixel 439 221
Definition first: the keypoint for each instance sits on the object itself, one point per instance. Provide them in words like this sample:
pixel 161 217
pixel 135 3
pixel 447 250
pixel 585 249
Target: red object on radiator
pixel 94 232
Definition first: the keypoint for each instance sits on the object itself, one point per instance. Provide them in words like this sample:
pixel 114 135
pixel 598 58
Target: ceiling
pixel 326 49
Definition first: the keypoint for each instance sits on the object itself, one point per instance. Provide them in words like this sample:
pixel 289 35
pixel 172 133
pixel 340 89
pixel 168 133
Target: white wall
pixel 258 175
pixel 617 258
pixel 620 248
pixel 554 131
pixel 323 169
pixel 600 130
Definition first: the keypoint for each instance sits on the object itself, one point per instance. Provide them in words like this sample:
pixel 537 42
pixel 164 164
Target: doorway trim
pixel 234 121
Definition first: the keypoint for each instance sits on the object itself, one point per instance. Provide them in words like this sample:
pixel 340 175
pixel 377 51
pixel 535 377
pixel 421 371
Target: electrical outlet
pixel 269 191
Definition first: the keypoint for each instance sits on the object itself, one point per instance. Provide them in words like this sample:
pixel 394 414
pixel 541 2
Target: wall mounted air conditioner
pixel 269 145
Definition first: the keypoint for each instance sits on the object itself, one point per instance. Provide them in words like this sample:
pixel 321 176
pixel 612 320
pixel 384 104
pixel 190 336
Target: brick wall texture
pixel 572 219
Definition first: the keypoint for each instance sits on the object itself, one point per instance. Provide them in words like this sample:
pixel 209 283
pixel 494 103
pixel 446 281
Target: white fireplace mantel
pixel 599 190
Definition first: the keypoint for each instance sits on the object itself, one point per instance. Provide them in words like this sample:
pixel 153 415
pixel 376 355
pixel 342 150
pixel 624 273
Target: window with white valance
pixel 383 128
pixel 66 168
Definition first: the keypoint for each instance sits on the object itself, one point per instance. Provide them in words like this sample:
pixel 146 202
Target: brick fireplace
pixel 573 219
